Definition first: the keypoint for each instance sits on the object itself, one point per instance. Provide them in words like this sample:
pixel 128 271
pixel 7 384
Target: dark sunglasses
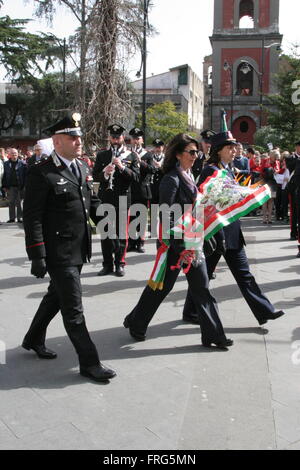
pixel 191 152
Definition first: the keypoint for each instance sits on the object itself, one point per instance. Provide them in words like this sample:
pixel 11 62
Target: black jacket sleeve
pixel 33 213
pixel 170 209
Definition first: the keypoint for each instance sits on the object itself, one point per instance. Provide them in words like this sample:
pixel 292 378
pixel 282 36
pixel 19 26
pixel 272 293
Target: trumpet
pixel 111 176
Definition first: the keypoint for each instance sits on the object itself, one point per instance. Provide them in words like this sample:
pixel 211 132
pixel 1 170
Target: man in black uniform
pixel 158 158
pixel 58 201
pixel 291 163
pixel 203 154
pixel 115 169
pixel 140 190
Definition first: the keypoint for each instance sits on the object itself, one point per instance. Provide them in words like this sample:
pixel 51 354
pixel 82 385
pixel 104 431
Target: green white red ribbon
pixel 192 229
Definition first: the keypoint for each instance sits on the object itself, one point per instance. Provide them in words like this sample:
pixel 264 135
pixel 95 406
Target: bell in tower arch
pixel 246 14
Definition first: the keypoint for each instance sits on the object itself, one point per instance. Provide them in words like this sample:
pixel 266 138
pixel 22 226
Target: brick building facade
pixel 244 61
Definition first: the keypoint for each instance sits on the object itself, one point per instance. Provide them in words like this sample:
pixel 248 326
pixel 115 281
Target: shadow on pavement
pixel 25 369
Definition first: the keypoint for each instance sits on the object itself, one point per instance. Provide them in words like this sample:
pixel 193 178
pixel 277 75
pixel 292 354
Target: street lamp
pixel 228 67
pixel 144 61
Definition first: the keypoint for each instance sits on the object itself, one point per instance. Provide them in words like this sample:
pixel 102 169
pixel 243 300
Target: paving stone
pixel 169 393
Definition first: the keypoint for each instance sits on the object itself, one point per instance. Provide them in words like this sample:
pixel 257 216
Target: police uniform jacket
pixel 142 189
pixel 156 178
pixel 291 162
pixel 121 180
pixel 198 165
pixel 56 213
pixel 232 234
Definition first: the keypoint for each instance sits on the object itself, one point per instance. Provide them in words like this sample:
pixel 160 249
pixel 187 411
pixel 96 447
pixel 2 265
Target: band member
pixel 203 153
pixel 158 159
pixel 115 169
pixel 291 162
pixel 140 190
pixel 57 206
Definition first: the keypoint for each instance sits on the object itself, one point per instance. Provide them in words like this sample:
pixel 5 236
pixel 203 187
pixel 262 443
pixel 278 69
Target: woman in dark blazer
pixel 178 187
pixel 222 153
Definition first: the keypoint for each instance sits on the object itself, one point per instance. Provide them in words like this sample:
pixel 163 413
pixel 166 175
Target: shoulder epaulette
pixel 43 161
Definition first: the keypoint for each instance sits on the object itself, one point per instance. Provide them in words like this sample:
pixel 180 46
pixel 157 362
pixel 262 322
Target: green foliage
pixel 21 52
pixel 285 118
pixel 266 135
pixel 38 103
pixel 164 121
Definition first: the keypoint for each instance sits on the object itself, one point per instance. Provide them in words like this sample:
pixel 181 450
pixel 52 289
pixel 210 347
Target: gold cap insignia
pixel 76 118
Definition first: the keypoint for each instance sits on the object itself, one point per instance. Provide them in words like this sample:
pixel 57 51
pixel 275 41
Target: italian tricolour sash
pixel 220 202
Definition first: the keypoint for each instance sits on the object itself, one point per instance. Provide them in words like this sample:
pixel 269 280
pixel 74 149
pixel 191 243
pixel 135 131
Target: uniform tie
pixel 75 171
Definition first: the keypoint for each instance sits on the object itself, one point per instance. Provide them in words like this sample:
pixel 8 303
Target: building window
pixel 183 76
pixel 244 81
pixel 246 14
pixel 244 127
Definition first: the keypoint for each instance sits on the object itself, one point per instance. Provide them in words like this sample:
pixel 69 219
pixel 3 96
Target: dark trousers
pixel 285 204
pixel 64 293
pixel 141 230
pixel 14 195
pixel 293 213
pixel 237 262
pixel 114 250
pixel 278 203
pixel 206 306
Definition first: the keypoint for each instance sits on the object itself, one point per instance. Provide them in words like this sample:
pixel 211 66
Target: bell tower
pixel 246 44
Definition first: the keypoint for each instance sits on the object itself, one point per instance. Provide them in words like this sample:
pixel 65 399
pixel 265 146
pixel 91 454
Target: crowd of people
pixel 62 201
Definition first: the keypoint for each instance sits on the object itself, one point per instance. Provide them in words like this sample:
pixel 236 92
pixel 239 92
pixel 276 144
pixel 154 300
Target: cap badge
pixel 76 118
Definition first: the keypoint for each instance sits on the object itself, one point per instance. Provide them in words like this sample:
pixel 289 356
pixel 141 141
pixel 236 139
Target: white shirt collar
pixel 66 162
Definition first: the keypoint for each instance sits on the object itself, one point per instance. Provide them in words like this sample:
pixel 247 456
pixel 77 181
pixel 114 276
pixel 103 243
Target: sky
pixel 183 26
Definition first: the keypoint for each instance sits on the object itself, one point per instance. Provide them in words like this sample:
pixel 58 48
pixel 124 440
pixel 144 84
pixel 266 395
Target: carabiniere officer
pixel 57 206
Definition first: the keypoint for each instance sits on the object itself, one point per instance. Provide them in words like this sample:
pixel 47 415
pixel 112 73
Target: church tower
pixel 246 44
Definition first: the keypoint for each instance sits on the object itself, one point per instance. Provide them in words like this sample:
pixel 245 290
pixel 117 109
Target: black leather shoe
pixel 271 317
pixel 220 345
pixel 40 350
pixel 105 271
pixel 120 271
pixel 20 221
pixel 140 249
pixel 193 320
pixel 98 373
pixel 213 276
pixel 10 221
pixel 136 336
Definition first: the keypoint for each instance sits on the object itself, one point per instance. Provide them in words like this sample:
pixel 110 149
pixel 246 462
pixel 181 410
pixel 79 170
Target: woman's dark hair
pixel 176 146
pixel 214 157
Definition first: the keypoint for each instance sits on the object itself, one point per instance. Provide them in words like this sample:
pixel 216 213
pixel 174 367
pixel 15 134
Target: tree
pixel 266 135
pixel 285 118
pixel 109 33
pixel 21 52
pixel 164 121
